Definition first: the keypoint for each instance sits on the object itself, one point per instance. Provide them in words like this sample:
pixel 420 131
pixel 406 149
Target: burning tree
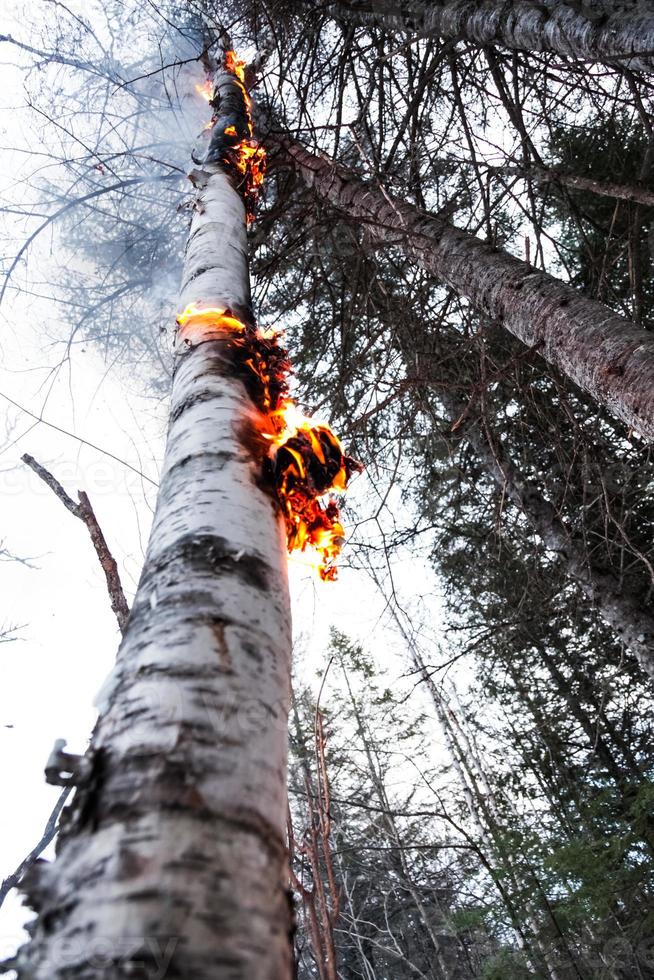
pixel 526 478
pixel 177 831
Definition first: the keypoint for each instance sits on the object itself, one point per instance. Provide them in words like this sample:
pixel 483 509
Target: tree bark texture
pixel 624 39
pixel 604 354
pixel 172 861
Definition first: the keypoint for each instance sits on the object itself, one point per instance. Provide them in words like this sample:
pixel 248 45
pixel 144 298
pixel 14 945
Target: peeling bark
pixel 607 356
pixel 172 861
pixel 624 39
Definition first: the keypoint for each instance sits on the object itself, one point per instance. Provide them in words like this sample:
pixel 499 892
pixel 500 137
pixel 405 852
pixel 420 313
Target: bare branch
pixel 85 513
pixel 14 879
pixel 54 485
pixel 83 442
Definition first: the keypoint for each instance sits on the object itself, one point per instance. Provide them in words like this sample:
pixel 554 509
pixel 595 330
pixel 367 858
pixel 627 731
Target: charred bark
pixel 607 356
pixel 172 861
pixel 624 39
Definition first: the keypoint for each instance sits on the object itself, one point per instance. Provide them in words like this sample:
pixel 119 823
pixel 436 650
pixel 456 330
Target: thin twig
pixel 82 442
pixel 14 879
pixel 84 511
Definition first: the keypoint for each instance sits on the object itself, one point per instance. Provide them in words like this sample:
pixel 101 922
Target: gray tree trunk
pixel 607 356
pixel 544 175
pixel 632 621
pixel 173 859
pixel 624 38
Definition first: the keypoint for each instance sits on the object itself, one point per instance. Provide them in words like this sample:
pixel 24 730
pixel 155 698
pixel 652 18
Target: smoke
pixel 115 110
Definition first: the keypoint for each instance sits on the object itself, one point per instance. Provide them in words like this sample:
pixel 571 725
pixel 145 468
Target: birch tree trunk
pixel 607 356
pixel 624 38
pixel 173 860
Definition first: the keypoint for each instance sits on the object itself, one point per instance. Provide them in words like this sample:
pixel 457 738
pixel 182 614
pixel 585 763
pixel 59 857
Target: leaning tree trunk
pixel 172 861
pixel 624 38
pixel 627 614
pixel 607 356
pixel 576 182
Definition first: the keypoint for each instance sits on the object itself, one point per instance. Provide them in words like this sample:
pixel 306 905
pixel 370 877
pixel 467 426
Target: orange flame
pixel 201 317
pixel 250 159
pixel 304 458
pixel 247 156
pixel 309 466
pixel 236 65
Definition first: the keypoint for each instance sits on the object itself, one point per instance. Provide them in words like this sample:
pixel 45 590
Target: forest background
pixel 488 734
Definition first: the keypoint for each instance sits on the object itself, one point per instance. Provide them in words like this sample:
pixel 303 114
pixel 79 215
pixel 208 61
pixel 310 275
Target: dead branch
pixel 14 879
pixel 84 511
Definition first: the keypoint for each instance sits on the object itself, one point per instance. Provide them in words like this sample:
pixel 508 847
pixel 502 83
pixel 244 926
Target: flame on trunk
pixel 302 458
pixel 197 319
pixel 236 65
pixel 241 151
pixel 309 464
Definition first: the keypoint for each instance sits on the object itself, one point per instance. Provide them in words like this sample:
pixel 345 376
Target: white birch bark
pixel 624 38
pixel 174 860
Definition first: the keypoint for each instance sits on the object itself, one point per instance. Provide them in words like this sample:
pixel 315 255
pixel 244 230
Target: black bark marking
pixel 166 783
pixel 83 811
pixel 221 459
pixel 187 610
pixel 252 651
pixel 196 399
pixel 198 272
pixel 213 555
pixel 292 926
